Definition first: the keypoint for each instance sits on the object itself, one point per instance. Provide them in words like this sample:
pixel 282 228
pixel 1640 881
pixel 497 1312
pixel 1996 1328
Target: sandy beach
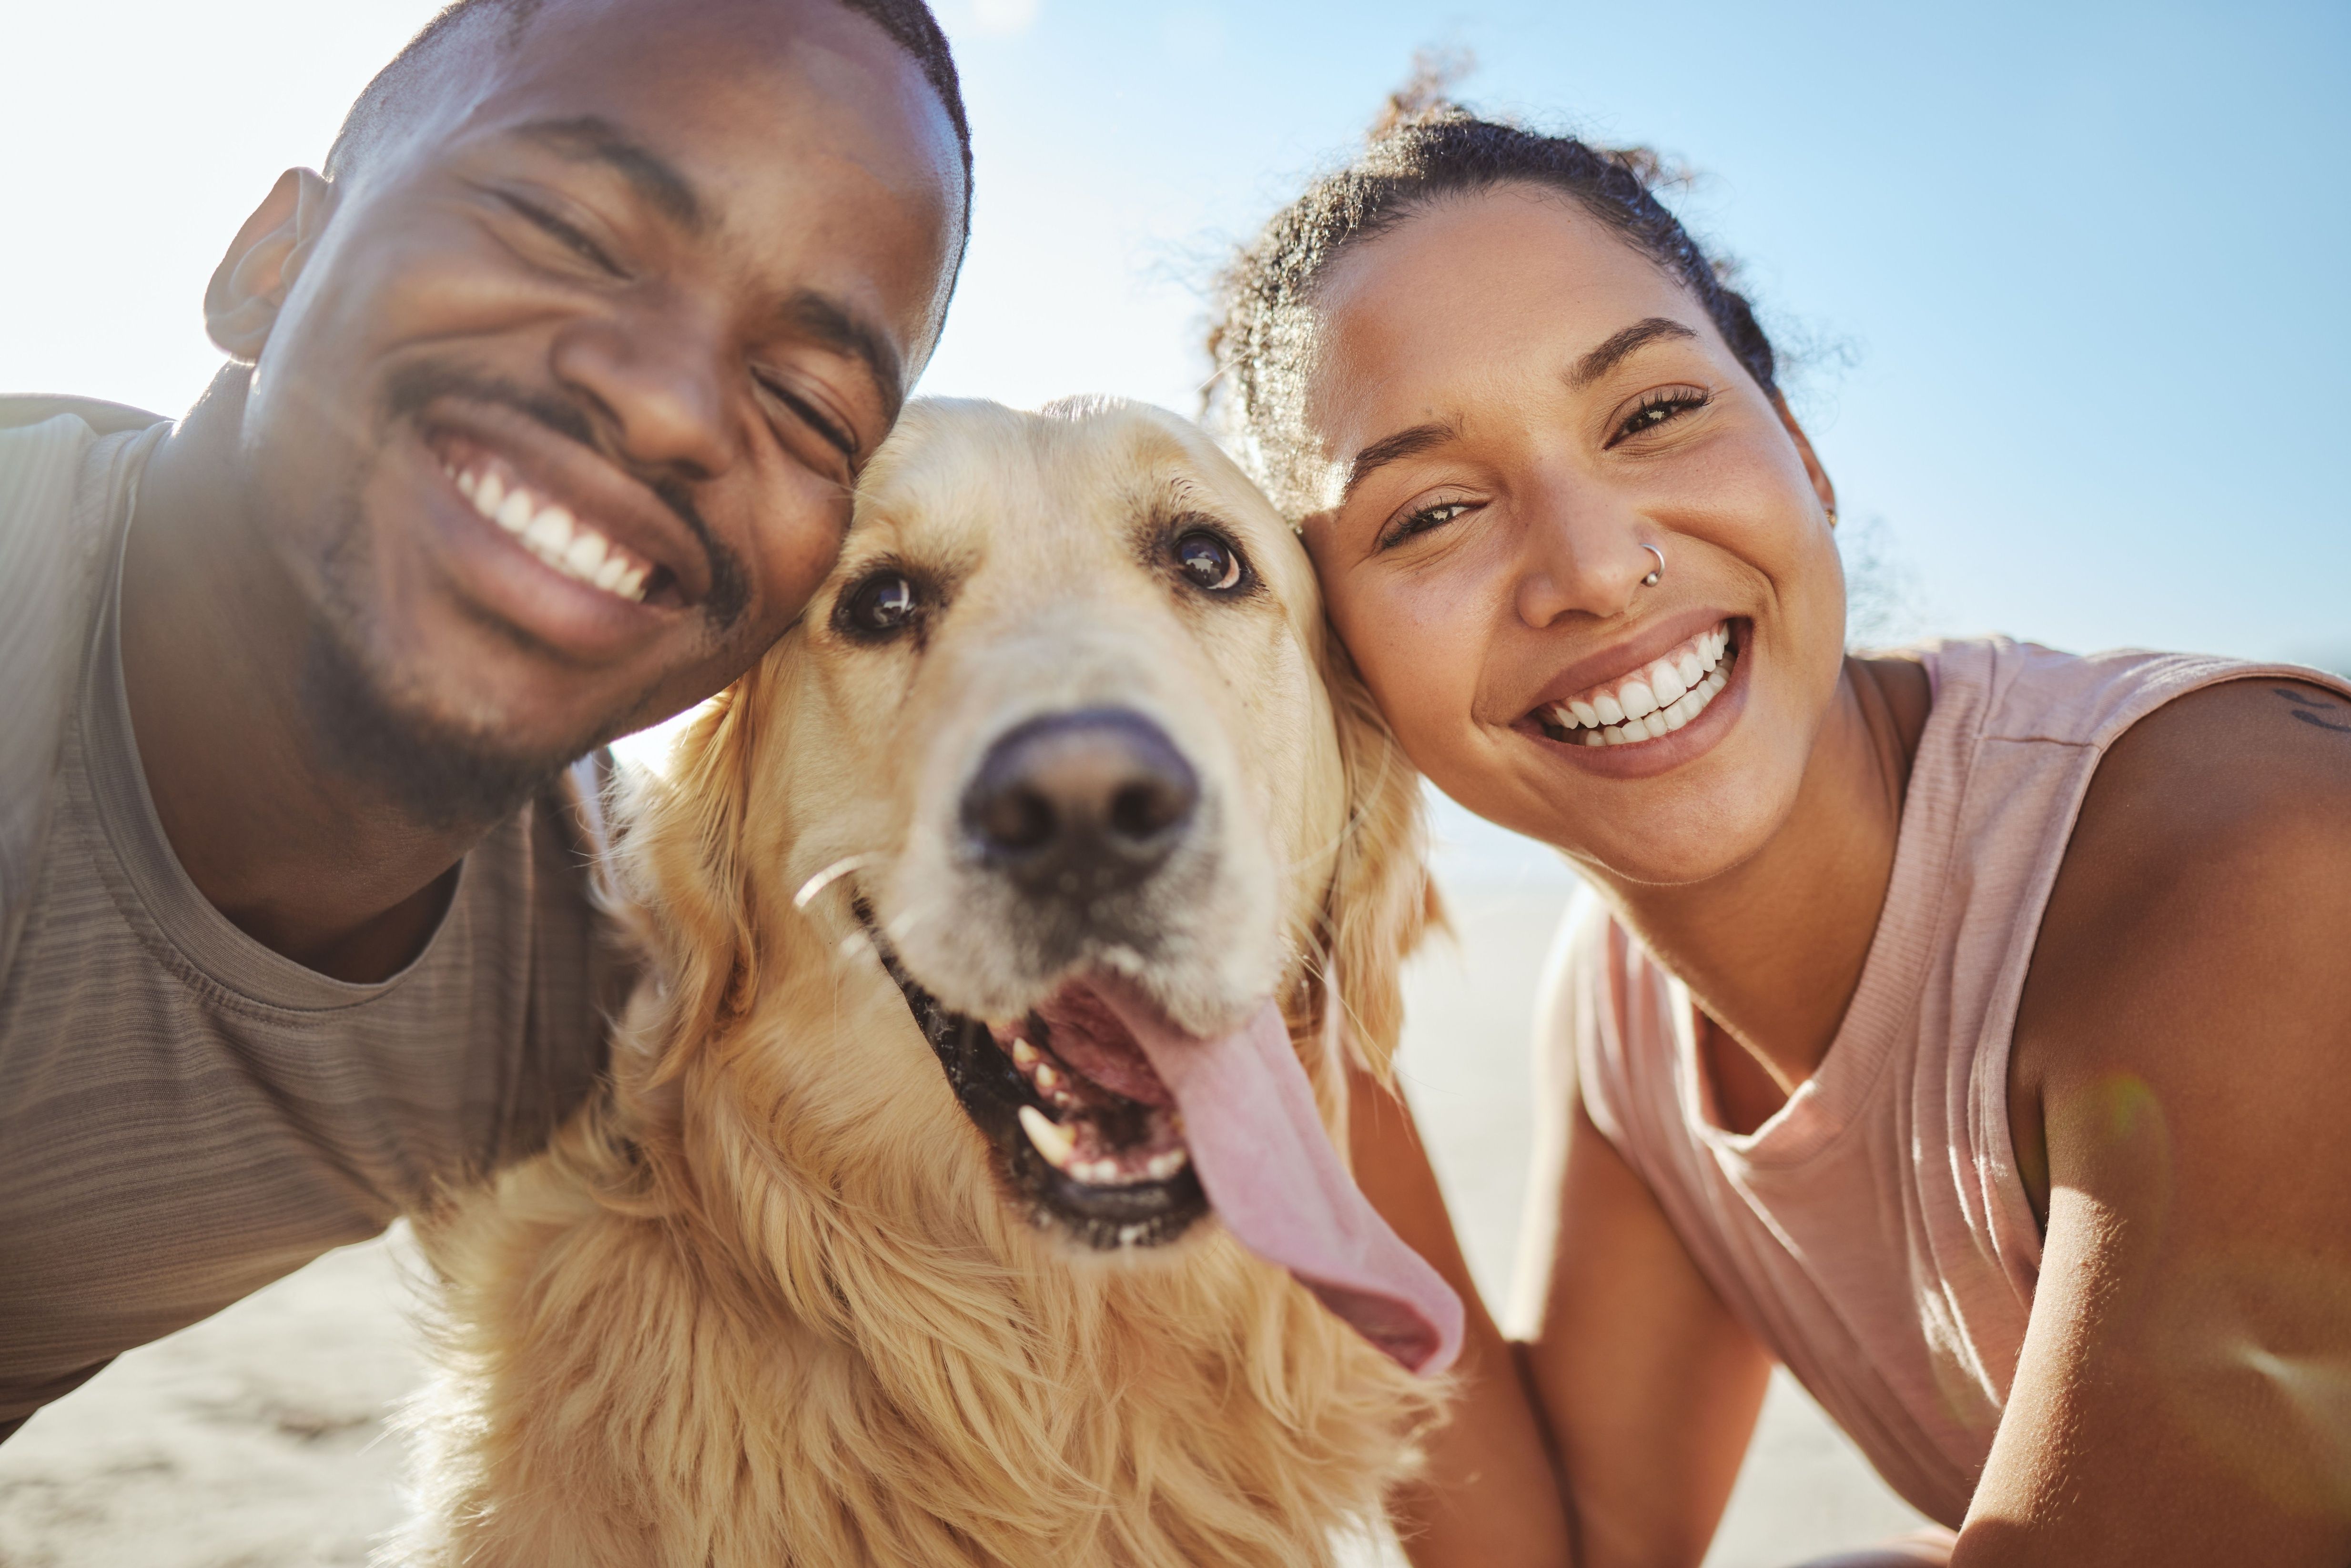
pixel 262 1437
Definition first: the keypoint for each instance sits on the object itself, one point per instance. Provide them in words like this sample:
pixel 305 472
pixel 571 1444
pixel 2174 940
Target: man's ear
pixel 249 287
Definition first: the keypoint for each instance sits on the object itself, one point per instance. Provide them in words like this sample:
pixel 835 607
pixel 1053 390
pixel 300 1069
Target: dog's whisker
pixel 909 919
pixel 829 875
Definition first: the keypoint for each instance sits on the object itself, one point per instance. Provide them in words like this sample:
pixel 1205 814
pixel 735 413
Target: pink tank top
pixel 1873 1234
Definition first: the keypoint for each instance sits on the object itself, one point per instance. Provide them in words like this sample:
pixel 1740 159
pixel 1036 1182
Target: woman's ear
pixel 1381 900
pixel 1822 485
pixel 248 288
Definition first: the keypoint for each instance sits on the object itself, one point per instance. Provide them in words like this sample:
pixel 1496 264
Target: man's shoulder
pixel 20 410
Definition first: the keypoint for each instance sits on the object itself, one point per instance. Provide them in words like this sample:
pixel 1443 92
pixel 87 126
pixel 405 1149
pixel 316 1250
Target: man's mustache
pixel 413 387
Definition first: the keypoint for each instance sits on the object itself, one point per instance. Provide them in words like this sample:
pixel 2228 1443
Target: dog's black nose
pixel 1078 804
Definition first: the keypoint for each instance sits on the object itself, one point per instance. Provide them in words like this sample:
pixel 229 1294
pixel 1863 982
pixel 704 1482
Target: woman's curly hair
pixel 1423 149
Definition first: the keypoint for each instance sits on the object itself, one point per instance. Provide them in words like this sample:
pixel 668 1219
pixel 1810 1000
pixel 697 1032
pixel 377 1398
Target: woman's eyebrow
pixel 1614 353
pixel 1394 448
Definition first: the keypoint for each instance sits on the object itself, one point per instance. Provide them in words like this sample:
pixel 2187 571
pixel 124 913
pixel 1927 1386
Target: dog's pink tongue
pixel 1268 1167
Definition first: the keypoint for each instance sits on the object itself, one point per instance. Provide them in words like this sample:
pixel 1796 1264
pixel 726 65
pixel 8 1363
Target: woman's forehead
pixel 1471 293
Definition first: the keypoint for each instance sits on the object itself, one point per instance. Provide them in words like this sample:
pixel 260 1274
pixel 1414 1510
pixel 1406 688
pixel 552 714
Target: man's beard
pixel 439 775
pixel 438 771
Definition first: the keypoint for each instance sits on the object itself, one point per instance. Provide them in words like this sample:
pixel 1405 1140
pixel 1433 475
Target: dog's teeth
pixel 1047 1078
pixel 1163 1166
pixel 1050 1137
pixel 1024 1055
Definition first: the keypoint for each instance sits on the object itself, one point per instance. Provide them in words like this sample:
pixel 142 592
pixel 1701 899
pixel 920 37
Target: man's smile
pixel 571 545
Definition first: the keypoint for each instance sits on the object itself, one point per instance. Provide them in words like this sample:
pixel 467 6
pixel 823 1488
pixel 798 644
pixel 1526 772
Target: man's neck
pixel 307 860
pixel 1774 949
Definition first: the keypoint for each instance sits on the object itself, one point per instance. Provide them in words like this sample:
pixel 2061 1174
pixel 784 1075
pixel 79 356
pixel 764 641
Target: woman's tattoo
pixel 2308 709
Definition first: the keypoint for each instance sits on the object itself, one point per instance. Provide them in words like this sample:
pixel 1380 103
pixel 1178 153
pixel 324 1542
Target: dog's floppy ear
pixel 684 862
pixel 1381 900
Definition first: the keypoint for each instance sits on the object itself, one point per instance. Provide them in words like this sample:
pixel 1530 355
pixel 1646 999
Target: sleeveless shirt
pixel 1873 1233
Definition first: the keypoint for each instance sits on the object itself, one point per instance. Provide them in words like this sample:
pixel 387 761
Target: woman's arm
pixel 2182 1091
pixel 1638 1381
pixel 1490 1497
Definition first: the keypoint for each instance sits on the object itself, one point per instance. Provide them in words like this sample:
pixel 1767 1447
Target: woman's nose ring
pixel 1651 581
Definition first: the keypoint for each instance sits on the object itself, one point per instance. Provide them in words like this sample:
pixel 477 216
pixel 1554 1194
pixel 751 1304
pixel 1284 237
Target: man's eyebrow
pixel 1394 448
pixel 593 139
pixel 834 326
pixel 1612 352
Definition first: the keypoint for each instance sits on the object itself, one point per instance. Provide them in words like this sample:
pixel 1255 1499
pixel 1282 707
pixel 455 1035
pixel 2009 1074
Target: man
pixel 544 406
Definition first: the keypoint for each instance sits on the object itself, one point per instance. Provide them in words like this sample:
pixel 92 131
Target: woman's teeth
pixel 551 533
pixel 1650 702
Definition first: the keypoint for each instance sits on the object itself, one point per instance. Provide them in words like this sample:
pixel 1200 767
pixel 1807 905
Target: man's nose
pixel 660 378
pixel 1081 804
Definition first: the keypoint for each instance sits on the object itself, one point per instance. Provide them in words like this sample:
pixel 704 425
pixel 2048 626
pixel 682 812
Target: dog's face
pixel 1089 651
pixel 1060 732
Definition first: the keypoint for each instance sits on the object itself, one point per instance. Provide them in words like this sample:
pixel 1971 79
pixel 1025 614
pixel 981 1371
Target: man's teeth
pixel 1652 701
pixel 552 534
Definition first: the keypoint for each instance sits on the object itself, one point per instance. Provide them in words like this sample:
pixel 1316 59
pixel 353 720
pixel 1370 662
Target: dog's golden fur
pixel 769 1303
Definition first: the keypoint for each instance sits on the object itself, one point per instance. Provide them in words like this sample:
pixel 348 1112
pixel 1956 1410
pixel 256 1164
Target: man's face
pixel 556 428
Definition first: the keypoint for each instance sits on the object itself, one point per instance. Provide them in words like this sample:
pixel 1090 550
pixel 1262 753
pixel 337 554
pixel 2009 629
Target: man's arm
pixel 2182 1086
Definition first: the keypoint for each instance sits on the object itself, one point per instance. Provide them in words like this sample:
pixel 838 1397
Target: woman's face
pixel 1508 403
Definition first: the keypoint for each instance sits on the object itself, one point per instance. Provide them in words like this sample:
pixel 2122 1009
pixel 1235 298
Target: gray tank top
pixel 186 1116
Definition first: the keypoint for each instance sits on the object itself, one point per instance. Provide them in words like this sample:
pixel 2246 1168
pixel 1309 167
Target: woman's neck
pixel 1773 948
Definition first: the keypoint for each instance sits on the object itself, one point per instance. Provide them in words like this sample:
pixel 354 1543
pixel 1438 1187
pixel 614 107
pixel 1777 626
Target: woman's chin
pixel 1670 829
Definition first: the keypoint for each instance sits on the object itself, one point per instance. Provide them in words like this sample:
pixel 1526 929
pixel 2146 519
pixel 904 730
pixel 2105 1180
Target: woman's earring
pixel 1651 581
pixel 1832 512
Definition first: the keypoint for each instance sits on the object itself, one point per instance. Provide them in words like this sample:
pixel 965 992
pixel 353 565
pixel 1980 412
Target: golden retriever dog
pixel 967 1191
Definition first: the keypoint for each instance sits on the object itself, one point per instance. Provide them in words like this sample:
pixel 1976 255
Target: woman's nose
pixel 1581 556
pixel 660 378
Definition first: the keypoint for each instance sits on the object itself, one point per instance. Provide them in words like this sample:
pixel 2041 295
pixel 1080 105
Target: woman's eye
pixel 1208 561
pixel 1659 408
pixel 882 604
pixel 1423 520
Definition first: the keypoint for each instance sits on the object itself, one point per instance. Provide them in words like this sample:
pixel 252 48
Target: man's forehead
pixel 695 76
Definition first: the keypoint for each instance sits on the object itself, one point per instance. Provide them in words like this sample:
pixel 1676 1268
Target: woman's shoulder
pixel 2204 906
pixel 1999 688
pixel 2235 784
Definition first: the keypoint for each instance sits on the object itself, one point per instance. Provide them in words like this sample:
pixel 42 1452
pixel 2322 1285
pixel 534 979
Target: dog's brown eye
pixel 1208 560
pixel 879 606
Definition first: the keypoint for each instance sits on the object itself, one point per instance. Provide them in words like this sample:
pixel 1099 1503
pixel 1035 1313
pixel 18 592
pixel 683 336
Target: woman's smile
pixel 1655 714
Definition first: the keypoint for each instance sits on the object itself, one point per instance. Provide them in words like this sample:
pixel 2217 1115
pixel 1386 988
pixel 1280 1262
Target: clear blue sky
pixel 2069 273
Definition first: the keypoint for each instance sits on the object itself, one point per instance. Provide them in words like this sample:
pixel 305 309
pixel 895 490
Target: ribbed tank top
pixel 1873 1233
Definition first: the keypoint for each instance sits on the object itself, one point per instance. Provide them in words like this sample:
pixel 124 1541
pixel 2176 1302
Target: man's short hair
pixel 378 108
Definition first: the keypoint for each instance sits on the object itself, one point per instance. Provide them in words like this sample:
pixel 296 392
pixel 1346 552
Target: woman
pixel 1969 1027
